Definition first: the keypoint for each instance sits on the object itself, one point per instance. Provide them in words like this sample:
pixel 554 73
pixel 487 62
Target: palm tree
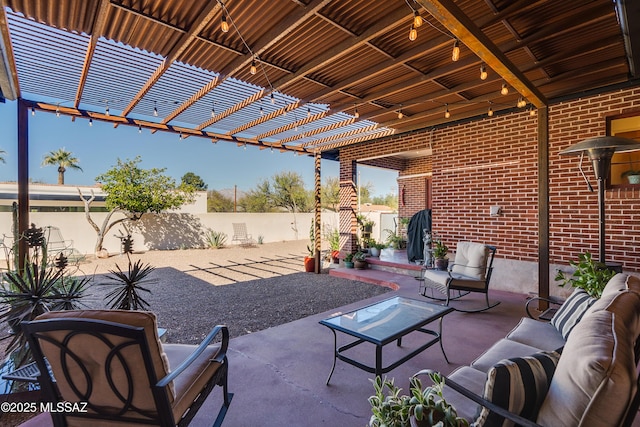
pixel 2 152
pixel 63 159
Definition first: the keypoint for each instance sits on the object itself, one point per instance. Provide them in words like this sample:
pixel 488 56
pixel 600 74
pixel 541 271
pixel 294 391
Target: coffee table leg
pixel 378 360
pixel 440 339
pixel 335 355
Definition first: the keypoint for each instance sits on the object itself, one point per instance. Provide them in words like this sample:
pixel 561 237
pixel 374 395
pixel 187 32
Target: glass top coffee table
pixel 382 323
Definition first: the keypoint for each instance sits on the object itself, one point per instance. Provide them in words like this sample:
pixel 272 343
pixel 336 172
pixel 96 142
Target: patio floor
pixel 278 375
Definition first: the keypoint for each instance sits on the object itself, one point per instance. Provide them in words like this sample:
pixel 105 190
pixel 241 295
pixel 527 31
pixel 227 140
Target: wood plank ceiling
pixel 326 73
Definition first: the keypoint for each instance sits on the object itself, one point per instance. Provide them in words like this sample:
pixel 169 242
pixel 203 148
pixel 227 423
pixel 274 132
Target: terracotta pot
pixel 309 264
pixel 360 265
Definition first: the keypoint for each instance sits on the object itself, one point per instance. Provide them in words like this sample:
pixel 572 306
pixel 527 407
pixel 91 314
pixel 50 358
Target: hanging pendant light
pixel 455 54
pixel 504 90
pixel 447 114
pixel 253 68
pixel 413 33
pixel 483 72
pixel 224 25
pixel 417 19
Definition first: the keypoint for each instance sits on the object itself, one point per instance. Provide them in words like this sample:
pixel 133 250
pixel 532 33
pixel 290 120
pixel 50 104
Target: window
pixel 625 167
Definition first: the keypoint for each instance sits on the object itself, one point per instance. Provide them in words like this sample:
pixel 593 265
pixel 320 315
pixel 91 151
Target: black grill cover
pixel 418 222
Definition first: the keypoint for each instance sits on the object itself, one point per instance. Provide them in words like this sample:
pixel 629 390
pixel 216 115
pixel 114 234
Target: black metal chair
pixel 470 272
pixel 113 361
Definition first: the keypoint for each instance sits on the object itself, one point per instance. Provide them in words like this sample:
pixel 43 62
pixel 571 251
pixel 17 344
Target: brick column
pixel 348 206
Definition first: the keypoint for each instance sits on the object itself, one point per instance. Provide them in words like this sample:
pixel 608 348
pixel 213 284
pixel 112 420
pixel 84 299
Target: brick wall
pixel 493 162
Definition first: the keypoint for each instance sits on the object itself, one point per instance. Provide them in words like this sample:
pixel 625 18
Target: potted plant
pixel 440 251
pixel 333 238
pixel 360 260
pixel 632 174
pixel 348 260
pixel 422 408
pixel 589 274
pixel 375 248
pixel 310 259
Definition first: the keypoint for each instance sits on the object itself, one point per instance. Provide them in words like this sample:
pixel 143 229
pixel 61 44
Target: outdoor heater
pixel 600 150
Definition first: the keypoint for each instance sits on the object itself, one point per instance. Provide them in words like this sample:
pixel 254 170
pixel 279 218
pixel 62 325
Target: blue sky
pixel 98 147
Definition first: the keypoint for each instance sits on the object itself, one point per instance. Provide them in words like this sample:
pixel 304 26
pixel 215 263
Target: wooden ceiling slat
pixel 185 40
pixel 450 15
pixel 9 83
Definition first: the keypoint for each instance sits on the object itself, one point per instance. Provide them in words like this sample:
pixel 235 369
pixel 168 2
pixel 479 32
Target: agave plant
pixel 129 284
pixel 36 289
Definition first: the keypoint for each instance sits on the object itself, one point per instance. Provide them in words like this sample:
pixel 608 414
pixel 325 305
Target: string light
pixel 180 135
pixel 356 114
pixel 33 111
pixel 483 72
pixel 521 103
pixel 261 111
pixel 139 128
pixel 213 109
pixel 447 114
pixel 504 90
pixel 224 25
pixel 245 146
pixel 400 115
pixel 58 110
pixel 417 19
pixel 253 68
pixel 90 122
pixel 490 112
pixel 455 55
pixel 532 112
pixel 413 33
pixel 155 108
pixel 273 99
pixel 106 111
pixel 308 112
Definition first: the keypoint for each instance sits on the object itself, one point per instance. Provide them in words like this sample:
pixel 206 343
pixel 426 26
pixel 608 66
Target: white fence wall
pixel 174 230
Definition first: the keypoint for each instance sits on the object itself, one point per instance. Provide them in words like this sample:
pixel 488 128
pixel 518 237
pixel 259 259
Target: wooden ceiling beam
pixel 293 125
pixel 265 118
pixel 233 109
pixel 185 40
pixel 97 30
pixel 338 144
pixel 452 17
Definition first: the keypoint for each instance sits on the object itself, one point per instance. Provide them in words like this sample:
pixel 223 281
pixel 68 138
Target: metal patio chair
pixel 113 361
pixel 241 236
pixel 56 244
pixel 470 272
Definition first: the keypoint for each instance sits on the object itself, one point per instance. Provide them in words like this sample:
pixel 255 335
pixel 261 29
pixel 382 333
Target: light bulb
pixel 273 99
pixel 308 112
pixel 90 122
pixel 521 102
pixel 483 72
pixel 106 111
pixel 224 25
pixel 58 111
pixel 253 69
pixel 455 55
pixel 180 135
pixel 413 33
pixel 504 90
pixel 245 146
pixel 33 111
pixel 532 112
pixel 400 115
pixel 261 111
pixel 139 129
pixel 356 114
pixel 447 114
pixel 417 19
pixel 155 109
pixel 490 112
pixel 213 113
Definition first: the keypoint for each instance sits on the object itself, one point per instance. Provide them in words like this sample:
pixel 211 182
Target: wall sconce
pixel 495 210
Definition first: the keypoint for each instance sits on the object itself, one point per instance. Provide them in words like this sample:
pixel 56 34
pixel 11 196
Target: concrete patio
pixel 278 375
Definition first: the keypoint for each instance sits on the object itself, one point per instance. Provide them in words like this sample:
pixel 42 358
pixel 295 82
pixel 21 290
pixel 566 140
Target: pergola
pixel 310 76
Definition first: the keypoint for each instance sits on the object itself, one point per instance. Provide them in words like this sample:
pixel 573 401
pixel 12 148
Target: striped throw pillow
pixel 518 385
pixel 571 311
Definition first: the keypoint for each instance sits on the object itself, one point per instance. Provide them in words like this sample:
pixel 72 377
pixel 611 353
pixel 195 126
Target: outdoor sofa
pixel 577 370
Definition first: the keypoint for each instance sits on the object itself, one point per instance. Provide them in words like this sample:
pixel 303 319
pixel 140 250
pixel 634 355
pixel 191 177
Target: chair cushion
pixel 471 260
pixel 144 319
pixel 519 385
pixel 571 311
pixel 502 349
pixel 596 377
pixel 541 335
pixel 471 379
